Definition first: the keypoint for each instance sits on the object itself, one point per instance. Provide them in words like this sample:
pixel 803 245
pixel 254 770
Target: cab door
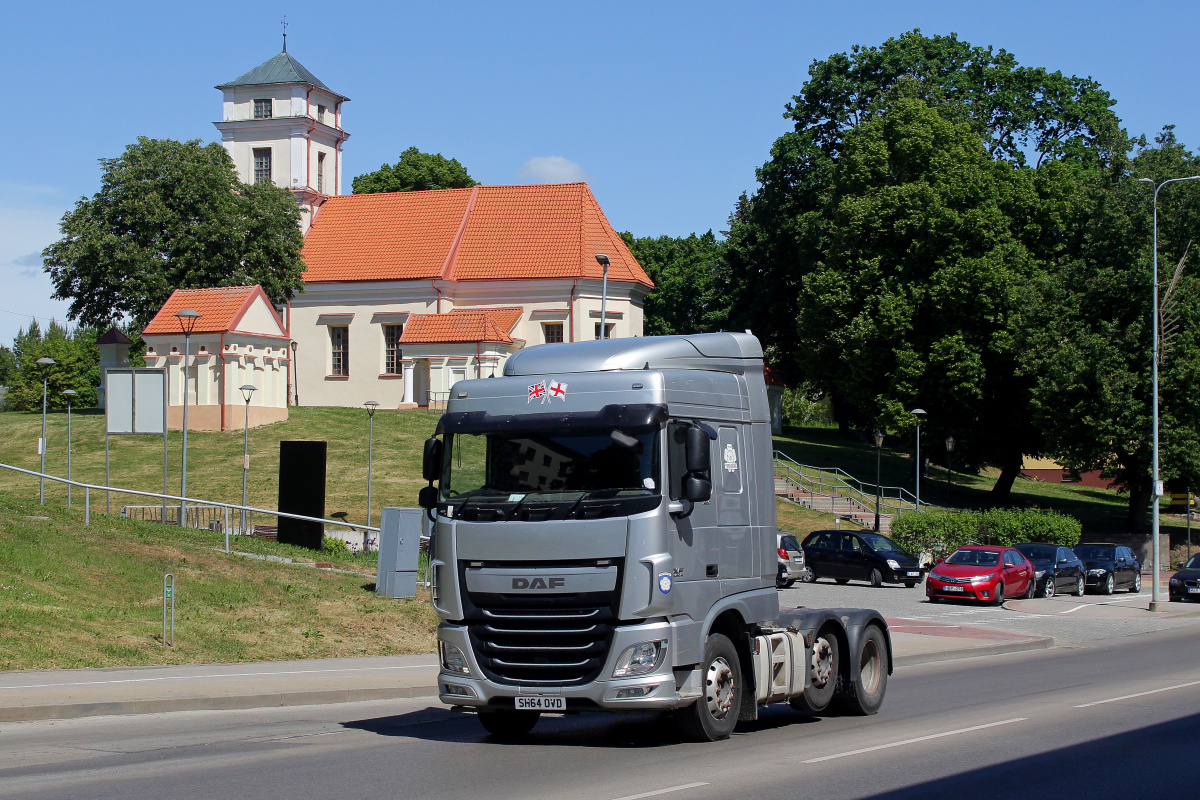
pixel 733 504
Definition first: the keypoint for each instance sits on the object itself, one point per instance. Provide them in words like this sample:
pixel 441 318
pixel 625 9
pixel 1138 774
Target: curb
pixel 226 703
pixel 1040 643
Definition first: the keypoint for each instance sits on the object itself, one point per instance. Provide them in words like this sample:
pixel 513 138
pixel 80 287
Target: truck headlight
pixel 639 659
pixel 453 659
pixel 893 563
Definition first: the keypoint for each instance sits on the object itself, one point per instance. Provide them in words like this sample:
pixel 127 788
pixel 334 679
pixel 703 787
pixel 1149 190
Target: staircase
pixel 836 492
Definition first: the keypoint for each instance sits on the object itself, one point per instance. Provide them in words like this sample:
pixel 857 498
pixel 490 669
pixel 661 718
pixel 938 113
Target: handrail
pixel 842 483
pixel 234 506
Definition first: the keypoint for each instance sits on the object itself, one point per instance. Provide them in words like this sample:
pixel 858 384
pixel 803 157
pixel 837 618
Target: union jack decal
pixel 537 392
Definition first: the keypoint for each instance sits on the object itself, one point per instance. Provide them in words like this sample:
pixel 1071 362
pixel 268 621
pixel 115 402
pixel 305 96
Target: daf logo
pixel 538 583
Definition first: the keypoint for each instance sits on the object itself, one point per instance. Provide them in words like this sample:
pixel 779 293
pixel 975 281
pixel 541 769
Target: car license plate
pixel 541 704
pixel 1194 590
pixel 914 574
pixel 952 588
pixel 798 560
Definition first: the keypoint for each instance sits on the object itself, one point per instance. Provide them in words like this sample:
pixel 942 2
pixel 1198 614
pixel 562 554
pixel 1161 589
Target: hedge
pixel 941 532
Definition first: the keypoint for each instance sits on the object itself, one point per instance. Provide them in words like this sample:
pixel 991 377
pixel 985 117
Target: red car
pixel 982 572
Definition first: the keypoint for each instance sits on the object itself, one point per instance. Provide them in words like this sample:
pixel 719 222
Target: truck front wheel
pixel 507 723
pixel 714 715
pixel 823 675
pixel 864 694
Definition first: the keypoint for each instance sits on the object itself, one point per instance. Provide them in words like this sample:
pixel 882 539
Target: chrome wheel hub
pixel 822 662
pixel 719 687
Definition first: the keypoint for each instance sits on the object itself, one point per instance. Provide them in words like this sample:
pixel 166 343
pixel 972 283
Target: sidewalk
pixel 68 694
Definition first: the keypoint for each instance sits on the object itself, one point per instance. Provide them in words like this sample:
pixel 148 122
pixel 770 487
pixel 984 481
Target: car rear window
pixel 789 542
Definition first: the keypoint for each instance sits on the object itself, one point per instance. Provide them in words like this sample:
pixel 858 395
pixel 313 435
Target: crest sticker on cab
pixel 664 582
pixel 730 458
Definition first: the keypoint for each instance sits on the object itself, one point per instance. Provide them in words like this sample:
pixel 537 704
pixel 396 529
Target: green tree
pixel 172 215
pixel 8 365
pixel 76 367
pixel 1092 357
pixel 415 171
pixel 686 272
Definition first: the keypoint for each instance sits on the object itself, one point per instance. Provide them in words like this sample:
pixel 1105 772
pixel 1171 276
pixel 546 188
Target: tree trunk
pixel 841 412
pixel 1137 519
pixel 1010 468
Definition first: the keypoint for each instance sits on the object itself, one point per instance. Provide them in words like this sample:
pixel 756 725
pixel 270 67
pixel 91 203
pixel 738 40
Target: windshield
pixel 975 558
pixel 1038 552
pixel 1095 552
pixel 1193 562
pixel 510 466
pixel 880 543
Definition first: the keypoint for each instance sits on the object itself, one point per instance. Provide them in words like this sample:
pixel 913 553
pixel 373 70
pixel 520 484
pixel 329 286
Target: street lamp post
pixel 370 405
pixel 46 364
pixel 70 395
pixel 603 260
pixel 1156 484
pixel 919 413
pixel 949 469
pixel 247 391
pixel 296 375
pixel 187 321
pixel 878 463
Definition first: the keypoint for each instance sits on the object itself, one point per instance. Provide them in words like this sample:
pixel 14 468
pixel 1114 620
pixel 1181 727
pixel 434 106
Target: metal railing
pixel 436 401
pixel 87 502
pixel 213 518
pixel 893 500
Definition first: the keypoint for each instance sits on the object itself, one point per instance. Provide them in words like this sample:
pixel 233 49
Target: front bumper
pixel 1095 581
pixel 904 575
pixel 660 686
pixel 968 591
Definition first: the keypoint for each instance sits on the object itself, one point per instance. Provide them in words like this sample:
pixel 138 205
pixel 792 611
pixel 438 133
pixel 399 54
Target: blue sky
pixel 665 108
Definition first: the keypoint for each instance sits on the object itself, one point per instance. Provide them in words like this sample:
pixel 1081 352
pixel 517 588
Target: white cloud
pixel 552 169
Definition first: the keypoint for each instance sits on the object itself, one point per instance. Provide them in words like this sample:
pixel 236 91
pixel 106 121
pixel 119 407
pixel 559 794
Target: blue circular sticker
pixel 664 582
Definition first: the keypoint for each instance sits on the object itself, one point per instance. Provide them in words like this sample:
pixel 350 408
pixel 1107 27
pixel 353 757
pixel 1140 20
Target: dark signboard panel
pixel 302 491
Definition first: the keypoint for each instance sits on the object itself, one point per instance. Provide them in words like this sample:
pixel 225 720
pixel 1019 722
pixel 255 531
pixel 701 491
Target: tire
pixel 808 576
pixel 824 669
pixel 863 694
pixel 1136 586
pixel 909 584
pixel 1048 588
pixel 789 584
pixel 508 724
pixel 1080 587
pixel 714 715
pixel 1109 584
pixel 1030 588
pixel 876 578
pixel 998 599
pixel 841 581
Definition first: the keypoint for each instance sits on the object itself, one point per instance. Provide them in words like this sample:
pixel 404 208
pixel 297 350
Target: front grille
pixel 948 579
pixel 541 640
pixel 543 646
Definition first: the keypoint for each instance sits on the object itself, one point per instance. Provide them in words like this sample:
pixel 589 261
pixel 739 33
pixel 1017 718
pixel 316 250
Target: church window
pixel 320 113
pixel 262 109
pixel 339 342
pixel 262 165
pixel 553 332
pixel 392 352
pixel 608 330
pixel 321 173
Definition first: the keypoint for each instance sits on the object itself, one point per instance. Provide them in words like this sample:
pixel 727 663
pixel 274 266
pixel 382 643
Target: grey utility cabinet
pixel 399 551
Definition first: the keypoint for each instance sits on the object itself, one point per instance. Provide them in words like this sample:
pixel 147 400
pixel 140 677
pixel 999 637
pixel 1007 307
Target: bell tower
pixel 281 124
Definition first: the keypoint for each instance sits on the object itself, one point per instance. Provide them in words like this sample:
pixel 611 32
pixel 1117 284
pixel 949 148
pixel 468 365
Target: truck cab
pixel 604 539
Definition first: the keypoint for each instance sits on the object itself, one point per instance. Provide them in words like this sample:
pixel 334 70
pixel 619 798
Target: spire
pixel 284 33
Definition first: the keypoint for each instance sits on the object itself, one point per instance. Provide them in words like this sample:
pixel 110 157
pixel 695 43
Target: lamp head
pixel 878 438
pixel 46 363
pixel 602 259
pixel 919 413
pixel 371 405
pixel 188 318
pixel 293 346
pixel 69 392
pixel 949 444
pixel 1145 180
pixel 247 391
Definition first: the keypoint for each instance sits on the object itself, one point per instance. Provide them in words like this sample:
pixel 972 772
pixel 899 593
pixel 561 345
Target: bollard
pixel 168 594
pixel 87 505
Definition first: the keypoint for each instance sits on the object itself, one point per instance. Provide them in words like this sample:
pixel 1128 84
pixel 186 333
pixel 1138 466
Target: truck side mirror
pixel 697 450
pixel 427 497
pixel 696 489
pixel 431 466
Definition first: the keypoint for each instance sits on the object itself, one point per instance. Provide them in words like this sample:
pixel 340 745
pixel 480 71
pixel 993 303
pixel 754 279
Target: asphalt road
pixel 1117 718
pixel 1046 617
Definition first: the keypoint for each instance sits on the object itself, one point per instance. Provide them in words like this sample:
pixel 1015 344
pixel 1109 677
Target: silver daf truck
pixel 604 540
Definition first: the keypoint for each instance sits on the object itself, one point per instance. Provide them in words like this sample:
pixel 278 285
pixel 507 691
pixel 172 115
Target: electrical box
pixel 399 551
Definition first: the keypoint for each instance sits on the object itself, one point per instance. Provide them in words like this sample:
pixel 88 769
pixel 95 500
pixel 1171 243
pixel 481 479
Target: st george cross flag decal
pixel 558 390
pixel 541 393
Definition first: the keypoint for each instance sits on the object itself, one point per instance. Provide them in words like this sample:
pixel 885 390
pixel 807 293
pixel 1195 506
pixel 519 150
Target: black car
pixel 1185 584
pixel 846 556
pixel 1057 568
pixel 1109 567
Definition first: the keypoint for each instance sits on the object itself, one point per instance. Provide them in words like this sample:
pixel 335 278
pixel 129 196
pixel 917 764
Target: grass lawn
pixel 1100 511
pixel 75 596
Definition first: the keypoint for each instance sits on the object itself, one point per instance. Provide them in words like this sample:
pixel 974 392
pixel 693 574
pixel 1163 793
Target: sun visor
pixel 611 416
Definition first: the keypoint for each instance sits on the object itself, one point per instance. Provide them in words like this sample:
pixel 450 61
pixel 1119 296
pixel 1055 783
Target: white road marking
pixel 217 675
pixel 913 741
pixel 657 792
pixel 1104 603
pixel 1139 694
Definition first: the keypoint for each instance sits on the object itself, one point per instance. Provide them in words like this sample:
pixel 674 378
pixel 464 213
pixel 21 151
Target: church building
pixel 404 292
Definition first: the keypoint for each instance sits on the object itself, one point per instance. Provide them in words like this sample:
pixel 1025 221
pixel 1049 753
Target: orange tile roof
pixel 483 233
pixel 220 309
pixel 462 325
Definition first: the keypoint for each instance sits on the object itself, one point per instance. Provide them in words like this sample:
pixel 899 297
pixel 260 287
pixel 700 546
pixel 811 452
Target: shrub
pixel 942 532
pixel 332 544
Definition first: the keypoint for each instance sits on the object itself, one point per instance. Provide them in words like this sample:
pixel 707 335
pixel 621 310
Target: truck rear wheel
pixel 823 675
pixel 508 723
pixel 864 694
pixel 714 715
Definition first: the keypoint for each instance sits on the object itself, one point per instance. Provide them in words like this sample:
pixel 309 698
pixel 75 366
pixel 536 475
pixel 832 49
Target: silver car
pixel 791 560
